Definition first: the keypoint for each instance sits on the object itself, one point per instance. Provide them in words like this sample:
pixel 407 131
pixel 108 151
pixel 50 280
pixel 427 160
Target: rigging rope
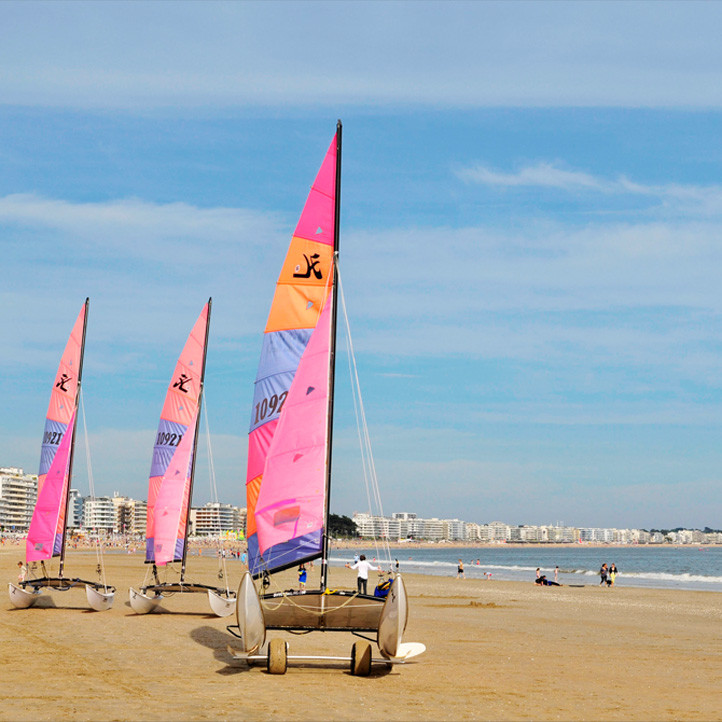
pixel 373 493
pixel 214 494
pixel 91 489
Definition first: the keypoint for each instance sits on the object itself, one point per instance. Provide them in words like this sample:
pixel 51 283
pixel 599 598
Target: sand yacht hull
pixel 141 603
pixel 99 600
pixel 22 598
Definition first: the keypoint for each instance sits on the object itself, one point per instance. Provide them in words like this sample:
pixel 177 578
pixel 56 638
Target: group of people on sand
pixel 542 581
pixel 608 574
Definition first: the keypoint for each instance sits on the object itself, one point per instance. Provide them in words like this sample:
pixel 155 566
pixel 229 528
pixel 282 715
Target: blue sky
pixel 531 238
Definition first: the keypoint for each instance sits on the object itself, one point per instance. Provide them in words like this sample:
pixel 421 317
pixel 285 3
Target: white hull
pixel 221 606
pixel 100 601
pixel 249 616
pixel 393 619
pixel 21 598
pixel 141 604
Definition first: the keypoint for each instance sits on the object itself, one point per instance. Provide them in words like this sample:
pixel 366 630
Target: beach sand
pixel 495 651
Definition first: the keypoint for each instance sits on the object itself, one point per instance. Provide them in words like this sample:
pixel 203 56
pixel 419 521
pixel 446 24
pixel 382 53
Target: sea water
pixel 665 567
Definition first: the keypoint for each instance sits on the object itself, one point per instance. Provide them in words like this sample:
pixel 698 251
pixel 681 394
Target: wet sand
pixel 495 650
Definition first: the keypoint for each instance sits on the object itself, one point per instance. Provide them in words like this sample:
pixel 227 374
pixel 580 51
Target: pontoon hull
pixel 100 601
pixel 22 598
pixel 142 604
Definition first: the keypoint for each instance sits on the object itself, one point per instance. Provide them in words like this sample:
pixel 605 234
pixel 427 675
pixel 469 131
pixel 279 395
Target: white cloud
pixel 689 199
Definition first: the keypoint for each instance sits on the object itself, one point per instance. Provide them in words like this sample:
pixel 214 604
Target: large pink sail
pixel 177 425
pixel 59 430
pixel 291 502
pixel 284 523
pixel 45 535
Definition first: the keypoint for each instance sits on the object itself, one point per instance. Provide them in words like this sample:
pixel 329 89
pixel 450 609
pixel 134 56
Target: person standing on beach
pixel 363 573
pixel 613 573
pixel 556 574
pixel 460 571
pixel 603 574
pixel 538 572
pixel 22 572
pixel 302 578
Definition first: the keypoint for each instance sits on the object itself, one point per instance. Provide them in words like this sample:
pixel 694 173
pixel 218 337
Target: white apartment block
pixel 75 509
pixel 99 514
pixel 18 492
pixel 214 519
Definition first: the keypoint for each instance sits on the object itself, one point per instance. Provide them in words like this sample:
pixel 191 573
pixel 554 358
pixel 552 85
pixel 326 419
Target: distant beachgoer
pixel 613 571
pixel 538 572
pixel 363 573
pixel 460 571
pixel 22 572
pixel 302 577
pixel 397 565
pixel 556 574
pixel 478 562
pixel 603 574
pixel 243 558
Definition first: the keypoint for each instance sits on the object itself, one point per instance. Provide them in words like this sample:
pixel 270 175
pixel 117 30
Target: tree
pixel 341 526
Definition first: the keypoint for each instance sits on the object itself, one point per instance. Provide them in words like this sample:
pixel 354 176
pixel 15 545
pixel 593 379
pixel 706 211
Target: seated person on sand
pixel 542 581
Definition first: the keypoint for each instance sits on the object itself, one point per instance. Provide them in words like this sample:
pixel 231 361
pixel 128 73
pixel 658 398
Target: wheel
pixel 361 659
pixel 277 657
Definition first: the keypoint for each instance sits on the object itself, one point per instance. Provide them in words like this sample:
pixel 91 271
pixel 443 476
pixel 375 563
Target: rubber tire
pixel 361 659
pixel 277 662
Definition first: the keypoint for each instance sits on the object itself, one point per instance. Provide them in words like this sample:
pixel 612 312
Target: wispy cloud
pixel 689 198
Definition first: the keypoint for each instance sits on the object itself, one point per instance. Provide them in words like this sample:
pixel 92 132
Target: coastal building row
pixel 407 526
pixel 121 515
pixel 116 515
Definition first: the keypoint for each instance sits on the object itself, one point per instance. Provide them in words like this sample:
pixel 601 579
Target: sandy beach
pixel 495 650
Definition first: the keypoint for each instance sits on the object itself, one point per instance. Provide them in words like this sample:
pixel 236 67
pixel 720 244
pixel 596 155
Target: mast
pixel 72 444
pixel 332 354
pixel 195 442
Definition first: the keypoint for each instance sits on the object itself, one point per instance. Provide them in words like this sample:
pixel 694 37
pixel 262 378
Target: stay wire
pixel 373 492
pixel 91 489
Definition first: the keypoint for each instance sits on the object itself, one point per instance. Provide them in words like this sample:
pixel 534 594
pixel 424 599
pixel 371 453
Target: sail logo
pixel 64 378
pixel 181 383
pixel 311 267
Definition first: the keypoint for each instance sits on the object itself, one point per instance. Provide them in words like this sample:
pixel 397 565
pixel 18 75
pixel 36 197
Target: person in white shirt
pixel 363 573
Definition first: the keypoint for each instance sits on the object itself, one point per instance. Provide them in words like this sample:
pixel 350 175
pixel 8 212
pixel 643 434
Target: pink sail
pixel 46 527
pixel 177 424
pixel 172 503
pixel 284 510
pixel 59 429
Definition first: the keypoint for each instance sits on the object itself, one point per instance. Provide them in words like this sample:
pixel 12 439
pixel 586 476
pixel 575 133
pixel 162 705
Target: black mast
pixel 195 443
pixel 332 354
pixel 72 444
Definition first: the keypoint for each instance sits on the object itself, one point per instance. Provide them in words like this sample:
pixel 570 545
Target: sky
pixel 531 240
